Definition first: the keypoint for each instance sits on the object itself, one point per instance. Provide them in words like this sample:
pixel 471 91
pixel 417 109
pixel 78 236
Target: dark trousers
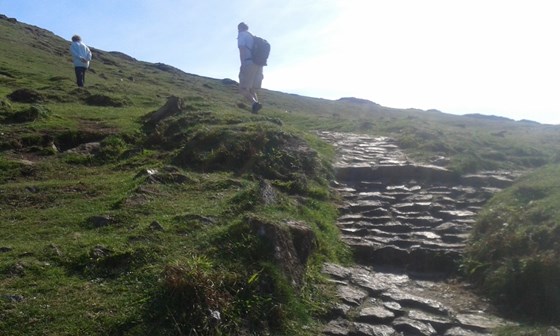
pixel 80 75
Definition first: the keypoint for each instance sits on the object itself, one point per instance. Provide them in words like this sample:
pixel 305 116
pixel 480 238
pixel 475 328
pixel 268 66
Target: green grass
pixel 64 273
pixel 514 252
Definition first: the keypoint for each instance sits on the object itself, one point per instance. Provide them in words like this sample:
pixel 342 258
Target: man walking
pixel 250 74
pixel 81 56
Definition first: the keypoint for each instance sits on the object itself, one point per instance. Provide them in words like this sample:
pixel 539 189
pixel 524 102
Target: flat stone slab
pixel 409 218
pixel 375 315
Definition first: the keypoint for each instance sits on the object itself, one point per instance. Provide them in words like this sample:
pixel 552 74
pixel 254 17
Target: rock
pixel 100 221
pixel 480 322
pixel 412 221
pixel 553 331
pixel 268 194
pixel 337 327
pixel 412 327
pixel 351 295
pixel 156 226
pixel 291 243
pixel 13 298
pixel 336 271
pixel 16 269
pixel 340 310
pixel 376 283
pixel 5 249
pixel 375 315
pixel 173 106
pixel 458 331
pixel 363 329
pixel 413 301
pixel 90 148
pixel 99 252
pixel 438 322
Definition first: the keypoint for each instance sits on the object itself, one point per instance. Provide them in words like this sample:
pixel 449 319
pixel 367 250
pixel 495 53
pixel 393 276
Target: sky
pixel 492 57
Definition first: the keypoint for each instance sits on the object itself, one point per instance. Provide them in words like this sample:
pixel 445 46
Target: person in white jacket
pixel 81 56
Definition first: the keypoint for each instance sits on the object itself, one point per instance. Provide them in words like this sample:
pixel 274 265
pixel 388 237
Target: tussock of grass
pixel 514 253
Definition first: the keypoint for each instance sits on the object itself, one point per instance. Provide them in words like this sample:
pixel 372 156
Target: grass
pixel 514 252
pixel 116 240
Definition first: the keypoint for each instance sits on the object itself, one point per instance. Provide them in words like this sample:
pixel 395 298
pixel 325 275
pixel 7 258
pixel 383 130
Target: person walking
pixel 250 74
pixel 81 56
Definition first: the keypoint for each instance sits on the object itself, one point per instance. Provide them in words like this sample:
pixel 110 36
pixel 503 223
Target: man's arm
pixel 244 53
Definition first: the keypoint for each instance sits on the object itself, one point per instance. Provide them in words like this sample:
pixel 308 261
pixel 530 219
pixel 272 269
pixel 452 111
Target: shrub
pixel 514 252
pixel 111 148
pixel 264 150
pixel 26 96
pixel 195 296
pixel 30 114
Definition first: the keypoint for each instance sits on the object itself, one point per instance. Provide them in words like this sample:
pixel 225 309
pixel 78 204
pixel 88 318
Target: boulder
pixel 290 243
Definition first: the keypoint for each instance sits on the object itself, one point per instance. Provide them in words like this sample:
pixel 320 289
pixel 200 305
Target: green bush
pixel 514 252
pixel 111 148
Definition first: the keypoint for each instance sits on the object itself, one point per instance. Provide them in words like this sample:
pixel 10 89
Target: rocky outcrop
pixel 289 243
pixel 407 225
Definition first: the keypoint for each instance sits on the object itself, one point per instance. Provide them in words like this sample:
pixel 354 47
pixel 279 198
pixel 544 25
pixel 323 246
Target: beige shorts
pixel 250 76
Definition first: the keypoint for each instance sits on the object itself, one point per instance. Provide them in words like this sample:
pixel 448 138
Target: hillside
pixel 153 202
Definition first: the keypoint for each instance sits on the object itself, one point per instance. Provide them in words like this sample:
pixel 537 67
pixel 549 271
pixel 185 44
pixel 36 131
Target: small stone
pixel 156 226
pixel 5 249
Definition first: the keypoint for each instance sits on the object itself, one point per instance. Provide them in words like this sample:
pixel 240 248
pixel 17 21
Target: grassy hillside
pixel 113 221
pixel 514 253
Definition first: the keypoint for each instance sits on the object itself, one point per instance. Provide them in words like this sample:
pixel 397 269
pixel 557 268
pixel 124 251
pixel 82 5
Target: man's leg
pixel 246 80
pixel 80 73
pixel 257 83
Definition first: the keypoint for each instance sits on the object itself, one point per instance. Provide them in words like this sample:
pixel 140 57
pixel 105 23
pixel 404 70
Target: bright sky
pixel 494 57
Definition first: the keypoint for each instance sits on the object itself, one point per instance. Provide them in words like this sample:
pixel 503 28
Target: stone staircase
pixel 407 225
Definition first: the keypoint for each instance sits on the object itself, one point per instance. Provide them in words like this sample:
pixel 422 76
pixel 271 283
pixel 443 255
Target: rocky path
pixel 407 225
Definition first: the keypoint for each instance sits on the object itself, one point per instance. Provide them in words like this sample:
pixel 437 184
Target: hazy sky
pixel 495 57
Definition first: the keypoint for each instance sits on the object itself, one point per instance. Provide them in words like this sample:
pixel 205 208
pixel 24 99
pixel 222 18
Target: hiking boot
pixel 256 107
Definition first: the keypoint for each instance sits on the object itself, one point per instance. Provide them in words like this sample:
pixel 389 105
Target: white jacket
pixel 80 53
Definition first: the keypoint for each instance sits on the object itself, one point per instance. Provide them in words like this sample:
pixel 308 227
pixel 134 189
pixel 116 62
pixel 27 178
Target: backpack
pixel 260 51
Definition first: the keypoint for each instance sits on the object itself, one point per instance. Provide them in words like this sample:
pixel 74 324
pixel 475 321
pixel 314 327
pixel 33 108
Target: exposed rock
pixel 412 327
pixel 100 221
pixel 375 315
pixel 267 193
pixel 16 269
pixel 14 298
pixel 363 329
pixel 90 148
pixel 156 226
pixel 351 295
pixel 458 331
pixel 99 252
pixel 337 328
pixel 553 331
pixel 479 322
pixel 173 106
pixel 291 244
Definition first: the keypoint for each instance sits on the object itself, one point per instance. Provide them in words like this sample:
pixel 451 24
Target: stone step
pixel 382 303
pixel 413 219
